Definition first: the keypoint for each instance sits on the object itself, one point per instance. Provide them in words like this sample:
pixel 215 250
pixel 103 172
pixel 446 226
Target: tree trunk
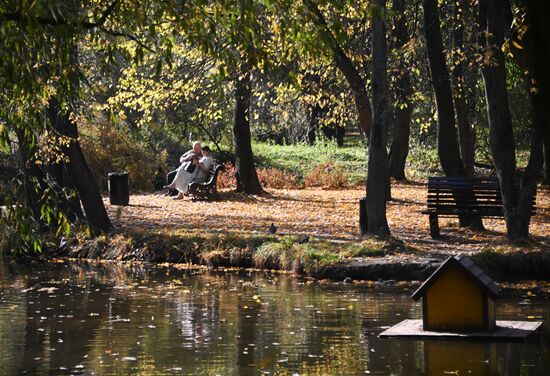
pixel 245 170
pixel 334 132
pixel 340 135
pixel 526 58
pixel 447 141
pixel 69 205
pixel 447 136
pixel 78 169
pixel 546 169
pixel 378 176
pixel 345 65
pixel 313 124
pixel 539 29
pixel 466 135
pixel 516 199
pixel 28 149
pixel 403 91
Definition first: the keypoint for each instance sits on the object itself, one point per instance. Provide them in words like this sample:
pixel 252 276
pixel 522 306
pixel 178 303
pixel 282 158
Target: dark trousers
pixel 169 179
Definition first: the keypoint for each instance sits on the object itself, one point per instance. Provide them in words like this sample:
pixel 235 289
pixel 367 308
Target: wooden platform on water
pixel 515 331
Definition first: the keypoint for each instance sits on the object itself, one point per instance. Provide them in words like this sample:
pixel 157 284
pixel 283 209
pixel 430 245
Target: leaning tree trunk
pixel 378 177
pixel 70 203
pixel 245 170
pixel 403 91
pixel 466 136
pixel 516 199
pixel 78 169
pixel 32 174
pixel 345 65
pixel 447 141
pixel 68 141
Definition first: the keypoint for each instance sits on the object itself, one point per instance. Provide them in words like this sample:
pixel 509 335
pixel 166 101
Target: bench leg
pixel 434 226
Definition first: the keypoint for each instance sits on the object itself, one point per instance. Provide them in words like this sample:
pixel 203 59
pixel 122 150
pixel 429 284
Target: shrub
pixel 278 179
pixel 226 177
pixel 108 150
pixel 327 175
pixel 269 178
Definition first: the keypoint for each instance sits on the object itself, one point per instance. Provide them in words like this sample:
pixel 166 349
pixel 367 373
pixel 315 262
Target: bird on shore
pixel 303 239
pixel 272 229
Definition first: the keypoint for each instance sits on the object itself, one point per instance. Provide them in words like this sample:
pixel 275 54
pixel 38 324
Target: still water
pixel 106 319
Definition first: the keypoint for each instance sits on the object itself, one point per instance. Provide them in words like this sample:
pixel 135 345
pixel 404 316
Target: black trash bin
pixel 119 193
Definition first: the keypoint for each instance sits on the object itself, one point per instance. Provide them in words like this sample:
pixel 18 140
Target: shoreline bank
pixel 370 259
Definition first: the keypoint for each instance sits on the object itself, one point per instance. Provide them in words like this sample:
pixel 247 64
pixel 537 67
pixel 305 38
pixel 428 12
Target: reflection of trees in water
pixel 115 319
pixel 446 357
pixel 13 319
pixel 60 324
pixel 197 318
pixel 383 309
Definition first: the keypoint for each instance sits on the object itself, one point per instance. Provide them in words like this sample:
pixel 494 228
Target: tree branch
pixel 45 21
pixel 126 35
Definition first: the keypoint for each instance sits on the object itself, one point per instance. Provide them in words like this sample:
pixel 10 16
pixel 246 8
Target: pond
pixel 107 319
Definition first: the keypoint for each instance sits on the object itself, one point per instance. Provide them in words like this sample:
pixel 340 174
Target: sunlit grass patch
pixel 503 265
pixel 313 258
pixel 276 255
pixel 301 159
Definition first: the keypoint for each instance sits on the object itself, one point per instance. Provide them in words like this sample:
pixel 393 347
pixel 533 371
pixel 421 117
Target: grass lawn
pixel 302 158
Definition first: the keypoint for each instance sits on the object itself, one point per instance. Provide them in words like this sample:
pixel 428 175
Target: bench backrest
pixel 214 171
pixel 466 195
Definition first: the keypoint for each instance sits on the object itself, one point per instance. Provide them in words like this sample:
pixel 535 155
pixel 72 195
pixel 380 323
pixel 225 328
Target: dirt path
pixel 321 213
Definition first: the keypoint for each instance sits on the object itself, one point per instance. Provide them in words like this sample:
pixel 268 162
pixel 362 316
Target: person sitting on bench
pixel 205 164
pixel 186 162
pixel 200 173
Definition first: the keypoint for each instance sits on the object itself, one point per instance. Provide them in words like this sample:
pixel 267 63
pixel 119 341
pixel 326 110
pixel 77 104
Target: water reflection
pixel 460 358
pixel 111 319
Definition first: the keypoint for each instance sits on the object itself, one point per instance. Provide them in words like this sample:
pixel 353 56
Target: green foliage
pixel 24 231
pixel 422 161
pixel 19 231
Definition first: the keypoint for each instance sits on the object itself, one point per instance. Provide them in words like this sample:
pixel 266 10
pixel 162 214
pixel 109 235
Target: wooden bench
pixel 206 190
pixel 468 197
